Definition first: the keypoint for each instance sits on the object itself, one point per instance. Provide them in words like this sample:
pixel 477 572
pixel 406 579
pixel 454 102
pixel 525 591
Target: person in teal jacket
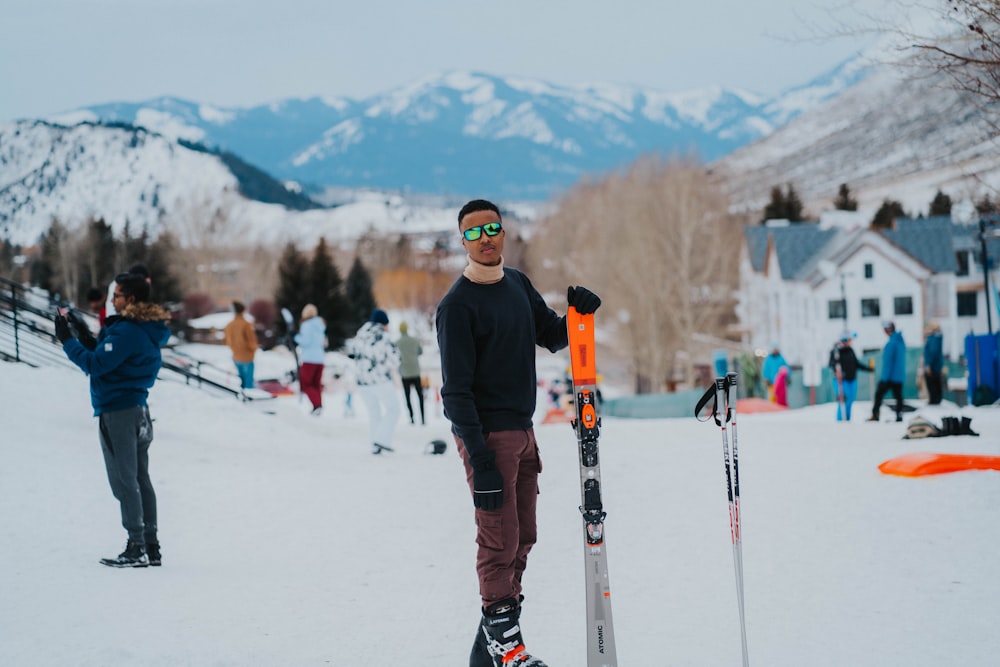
pixel 122 363
pixel 772 364
pixel 893 371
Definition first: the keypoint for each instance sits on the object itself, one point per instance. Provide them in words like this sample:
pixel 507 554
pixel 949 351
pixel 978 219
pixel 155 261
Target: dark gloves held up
pixel 487 482
pixel 62 329
pixel 581 298
pixel 82 331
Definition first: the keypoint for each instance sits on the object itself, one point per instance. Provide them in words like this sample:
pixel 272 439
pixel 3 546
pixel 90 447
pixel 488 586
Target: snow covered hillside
pixel 286 543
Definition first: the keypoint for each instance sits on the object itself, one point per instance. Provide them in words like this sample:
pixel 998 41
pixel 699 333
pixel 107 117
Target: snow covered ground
pixel 285 542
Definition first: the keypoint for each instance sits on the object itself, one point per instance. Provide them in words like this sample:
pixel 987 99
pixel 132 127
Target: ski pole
pixel 737 533
pixel 724 414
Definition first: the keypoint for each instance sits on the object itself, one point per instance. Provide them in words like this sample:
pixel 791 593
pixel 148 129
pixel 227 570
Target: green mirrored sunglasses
pixel 491 229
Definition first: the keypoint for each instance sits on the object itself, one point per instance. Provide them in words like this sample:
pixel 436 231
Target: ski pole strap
pixel 721 386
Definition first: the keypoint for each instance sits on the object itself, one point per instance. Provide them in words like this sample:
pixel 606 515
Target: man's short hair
pixel 238 307
pixel 96 294
pixel 133 284
pixel 477 205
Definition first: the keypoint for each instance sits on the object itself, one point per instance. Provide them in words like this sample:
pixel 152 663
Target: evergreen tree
pixel 784 205
pixel 360 297
pixel 160 259
pixel 326 291
pixel 985 206
pixel 134 248
pixel 940 205
pixel 844 200
pixel 97 259
pixel 793 205
pixel 885 217
pixel 775 209
pixel 293 282
pixel 7 253
pixel 45 271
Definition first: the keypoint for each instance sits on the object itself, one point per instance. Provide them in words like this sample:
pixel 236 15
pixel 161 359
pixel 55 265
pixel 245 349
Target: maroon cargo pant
pixel 505 536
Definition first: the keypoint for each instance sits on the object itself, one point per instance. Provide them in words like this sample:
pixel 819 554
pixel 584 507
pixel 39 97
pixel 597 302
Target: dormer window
pixel 962 262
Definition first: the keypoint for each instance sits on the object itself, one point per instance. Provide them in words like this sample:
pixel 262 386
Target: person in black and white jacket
pixel 375 359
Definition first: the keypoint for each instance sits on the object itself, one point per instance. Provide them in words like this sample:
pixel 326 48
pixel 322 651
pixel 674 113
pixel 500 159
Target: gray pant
pixel 125 439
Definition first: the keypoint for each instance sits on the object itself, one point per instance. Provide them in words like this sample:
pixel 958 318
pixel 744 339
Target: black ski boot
pixel 966 427
pixel 480 656
pixel 501 633
pixel 133 556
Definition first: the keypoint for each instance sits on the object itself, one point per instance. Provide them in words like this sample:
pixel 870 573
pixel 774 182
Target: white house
pixel 802 284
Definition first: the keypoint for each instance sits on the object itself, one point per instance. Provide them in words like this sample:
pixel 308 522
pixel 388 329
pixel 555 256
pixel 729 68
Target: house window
pixel 902 305
pixel 869 271
pixel 967 304
pixel 870 308
pixel 837 309
pixel 962 260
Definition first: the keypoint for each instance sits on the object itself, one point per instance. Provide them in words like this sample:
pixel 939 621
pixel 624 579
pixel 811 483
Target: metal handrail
pixel 27 336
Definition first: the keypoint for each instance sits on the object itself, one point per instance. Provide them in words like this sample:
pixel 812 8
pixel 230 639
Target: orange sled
pixel 929 463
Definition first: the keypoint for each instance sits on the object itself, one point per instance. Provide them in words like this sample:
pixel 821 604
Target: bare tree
pixel 970 54
pixel 659 246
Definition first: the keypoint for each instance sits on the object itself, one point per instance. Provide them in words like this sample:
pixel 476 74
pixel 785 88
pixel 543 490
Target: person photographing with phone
pixel 122 363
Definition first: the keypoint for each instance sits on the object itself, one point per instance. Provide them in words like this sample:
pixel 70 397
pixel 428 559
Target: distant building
pixel 802 284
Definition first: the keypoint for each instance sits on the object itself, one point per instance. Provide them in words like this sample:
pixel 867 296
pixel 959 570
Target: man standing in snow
pixel 933 363
pixel 893 371
pixel 488 326
pixel 241 337
pixel 375 359
pixel 845 367
pixel 122 364
pixel 409 369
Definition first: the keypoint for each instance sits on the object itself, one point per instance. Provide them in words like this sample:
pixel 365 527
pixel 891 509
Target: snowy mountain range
pixel 900 134
pixel 451 133
pixel 442 139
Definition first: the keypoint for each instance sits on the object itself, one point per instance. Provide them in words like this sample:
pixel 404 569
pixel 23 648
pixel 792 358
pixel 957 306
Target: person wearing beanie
pixel 488 326
pixel 893 371
pixel 375 357
pixel 409 369
pixel 845 367
pixel 311 340
pixel 241 337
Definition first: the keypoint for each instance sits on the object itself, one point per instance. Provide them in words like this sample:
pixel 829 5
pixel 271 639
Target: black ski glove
pixel 581 298
pixel 62 329
pixel 487 482
pixel 83 332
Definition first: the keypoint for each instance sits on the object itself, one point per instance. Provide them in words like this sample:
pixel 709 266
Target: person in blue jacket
pixel 933 363
pixel 893 371
pixel 772 364
pixel 122 363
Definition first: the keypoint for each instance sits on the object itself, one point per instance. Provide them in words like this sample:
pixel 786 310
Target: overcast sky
pixel 57 55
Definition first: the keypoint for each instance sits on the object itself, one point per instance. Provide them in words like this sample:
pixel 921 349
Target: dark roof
pixel 928 240
pixel 794 245
pixel 966 237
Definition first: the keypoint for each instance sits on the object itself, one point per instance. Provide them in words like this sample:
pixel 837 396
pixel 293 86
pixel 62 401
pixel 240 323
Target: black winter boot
pixel 153 553
pixel 951 426
pixel 502 635
pixel 133 556
pixel 966 427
